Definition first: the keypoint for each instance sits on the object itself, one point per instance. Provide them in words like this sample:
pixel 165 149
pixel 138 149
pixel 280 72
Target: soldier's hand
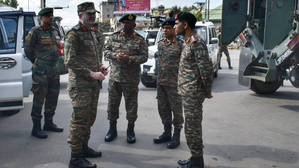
pixel 124 57
pixel 97 75
pixel 104 70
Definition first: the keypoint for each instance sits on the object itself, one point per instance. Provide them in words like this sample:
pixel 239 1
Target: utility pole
pixel 208 9
pixel 42 4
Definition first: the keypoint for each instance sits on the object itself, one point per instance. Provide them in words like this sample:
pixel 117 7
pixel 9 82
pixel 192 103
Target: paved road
pixel 240 130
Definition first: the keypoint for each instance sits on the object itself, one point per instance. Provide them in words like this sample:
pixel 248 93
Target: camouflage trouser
pixel 45 87
pixel 192 104
pixel 223 48
pixel 170 101
pixel 130 92
pixel 84 101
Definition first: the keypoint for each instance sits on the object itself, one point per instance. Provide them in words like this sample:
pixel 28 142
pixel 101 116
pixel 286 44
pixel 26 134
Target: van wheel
pixel 10 112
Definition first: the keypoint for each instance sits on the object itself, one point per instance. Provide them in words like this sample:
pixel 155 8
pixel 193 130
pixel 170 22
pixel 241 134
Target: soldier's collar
pixel 167 40
pixel 191 38
pixel 46 28
pixel 122 34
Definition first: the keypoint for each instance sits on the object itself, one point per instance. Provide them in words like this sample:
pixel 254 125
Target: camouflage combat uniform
pixel 101 43
pixel 125 76
pixel 223 48
pixel 169 100
pixel 193 67
pixel 42 49
pixel 81 57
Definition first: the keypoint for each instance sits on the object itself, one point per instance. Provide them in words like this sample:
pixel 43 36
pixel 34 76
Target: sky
pixel 70 16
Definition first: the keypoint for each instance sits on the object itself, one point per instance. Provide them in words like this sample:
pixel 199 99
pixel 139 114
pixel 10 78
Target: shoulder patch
pixel 137 34
pixel 193 40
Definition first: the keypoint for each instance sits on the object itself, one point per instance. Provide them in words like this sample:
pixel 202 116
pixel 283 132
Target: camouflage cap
pixel 186 16
pixel 45 11
pixel 87 7
pixel 169 21
pixel 130 17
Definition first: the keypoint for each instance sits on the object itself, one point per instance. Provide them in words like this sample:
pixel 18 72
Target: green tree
pixel 21 9
pixel 176 9
pixel 14 3
pixel 1 1
pixel 7 2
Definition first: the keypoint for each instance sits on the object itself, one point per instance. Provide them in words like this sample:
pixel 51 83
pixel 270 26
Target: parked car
pixel 205 29
pixel 15 68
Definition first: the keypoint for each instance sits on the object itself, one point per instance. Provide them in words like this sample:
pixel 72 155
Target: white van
pixel 15 68
pixel 205 29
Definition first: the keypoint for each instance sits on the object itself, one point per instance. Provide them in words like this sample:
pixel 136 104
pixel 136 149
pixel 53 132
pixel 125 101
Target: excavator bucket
pixel 234 22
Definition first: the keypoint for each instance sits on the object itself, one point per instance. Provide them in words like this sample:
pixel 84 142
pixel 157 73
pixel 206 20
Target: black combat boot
pixel 194 162
pixel 130 133
pixel 90 153
pixel 175 141
pixel 37 130
pixel 50 126
pixel 77 161
pixel 166 136
pixel 112 133
pixel 229 65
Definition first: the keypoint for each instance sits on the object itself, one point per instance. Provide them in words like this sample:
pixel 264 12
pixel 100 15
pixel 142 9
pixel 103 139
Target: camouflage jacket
pixel 81 56
pixel 169 53
pixel 42 43
pixel 195 67
pixel 101 43
pixel 136 47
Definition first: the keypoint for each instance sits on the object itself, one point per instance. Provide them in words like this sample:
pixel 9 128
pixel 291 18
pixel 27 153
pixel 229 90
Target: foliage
pixel 12 3
pixel 176 9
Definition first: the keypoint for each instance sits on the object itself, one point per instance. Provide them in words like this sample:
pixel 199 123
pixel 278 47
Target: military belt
pixel 45 62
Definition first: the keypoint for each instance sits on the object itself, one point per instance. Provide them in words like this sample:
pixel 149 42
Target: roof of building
pixel 214 14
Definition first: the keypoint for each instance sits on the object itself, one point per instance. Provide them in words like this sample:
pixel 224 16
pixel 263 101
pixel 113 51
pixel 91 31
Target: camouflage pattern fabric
pixel 222 48
pixel 136 47
pixel 125 76
pixel 84 101
pixel 170 104
pixel 101 43
pixel 43 44
pixel 194 65
pixel 169 100
pixel 81 57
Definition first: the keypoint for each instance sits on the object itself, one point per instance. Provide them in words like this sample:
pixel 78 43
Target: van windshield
pixel 202 32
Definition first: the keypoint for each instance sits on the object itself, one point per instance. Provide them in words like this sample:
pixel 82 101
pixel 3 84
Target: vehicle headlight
pixel 151 54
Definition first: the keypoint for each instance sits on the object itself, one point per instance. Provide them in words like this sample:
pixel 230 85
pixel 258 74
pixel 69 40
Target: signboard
pixel 132 6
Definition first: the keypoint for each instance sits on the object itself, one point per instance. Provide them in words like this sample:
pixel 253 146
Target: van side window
pixel 28 25
pixel 8 30
pixel 202 31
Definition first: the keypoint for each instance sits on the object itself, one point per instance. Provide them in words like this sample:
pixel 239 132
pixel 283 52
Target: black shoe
pixel 230 67
pixel 112 133
pixel 90 153
pixel 77 161
pixel 39 133
pixel 50 126
pixel 165 137
pixel 175 141
pixel 219 67
pixel 131 134
pixel 194 162
pixel 183 162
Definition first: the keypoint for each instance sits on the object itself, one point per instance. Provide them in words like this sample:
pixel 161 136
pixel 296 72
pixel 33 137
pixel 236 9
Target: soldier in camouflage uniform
pixel 83 60
pixel 42 49
pixel 223 48
pixel 101 42
pixel 126 50
pixel 169 101
pixel 194 84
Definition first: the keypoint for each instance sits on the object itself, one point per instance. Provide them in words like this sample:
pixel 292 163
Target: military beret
pixel 96 24
pixel 45 11
pixel 186 16
pixel 130 17
pixel 169 21
pixel 87 7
